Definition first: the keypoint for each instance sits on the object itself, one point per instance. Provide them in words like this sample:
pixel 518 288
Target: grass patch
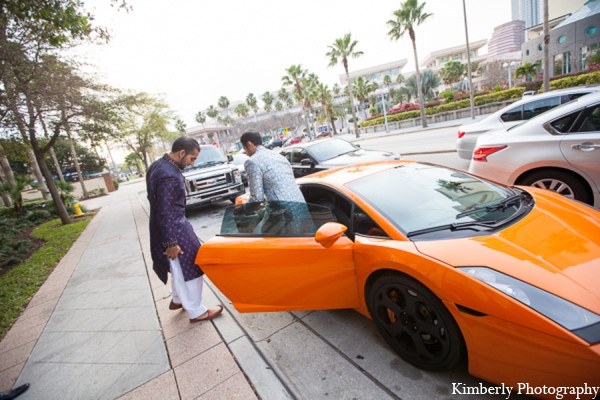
pixel 18 285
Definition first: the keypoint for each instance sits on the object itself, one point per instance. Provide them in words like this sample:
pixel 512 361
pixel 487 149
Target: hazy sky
pixel 194 51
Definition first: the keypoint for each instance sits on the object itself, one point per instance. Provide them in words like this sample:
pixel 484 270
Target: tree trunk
pixel 60 207
pixel 77 168
pixel 52 153
pixel 352 103
pixel 419 88
pixel 5 198
pixel 112 160
pixel 546 64
pixel 56 165
pixel 38 174
pixel 7 170
pixel 73 153
pixel 333 124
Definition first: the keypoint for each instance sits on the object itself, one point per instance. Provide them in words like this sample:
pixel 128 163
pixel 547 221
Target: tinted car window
pixel 592 121
pixel 569 97
pixel 563 125
pixel 329 149
pixel 514 114
pixel 274 219
pixel 538 107
pixel 287 154
pixel 365 225
pixel 299 155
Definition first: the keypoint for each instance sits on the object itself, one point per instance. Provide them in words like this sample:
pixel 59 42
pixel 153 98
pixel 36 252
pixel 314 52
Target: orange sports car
pixel 448 265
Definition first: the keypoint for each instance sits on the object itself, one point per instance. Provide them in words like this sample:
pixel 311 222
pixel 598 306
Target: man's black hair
pixel 186 143
pixel 251 136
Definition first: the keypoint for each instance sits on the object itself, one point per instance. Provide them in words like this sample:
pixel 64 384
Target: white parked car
pixel 558 150
pixel 524 109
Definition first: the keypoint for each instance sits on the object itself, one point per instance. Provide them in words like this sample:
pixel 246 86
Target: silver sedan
pixel 558 150
pixel 524 109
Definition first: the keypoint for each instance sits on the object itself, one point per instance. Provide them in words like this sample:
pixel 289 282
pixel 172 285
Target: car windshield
pixel 420 196
pixel 208 155
pixel 329 149
pixel 274 219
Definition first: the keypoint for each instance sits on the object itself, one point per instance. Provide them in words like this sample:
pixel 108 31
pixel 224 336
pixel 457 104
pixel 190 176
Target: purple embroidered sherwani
pixel 168 225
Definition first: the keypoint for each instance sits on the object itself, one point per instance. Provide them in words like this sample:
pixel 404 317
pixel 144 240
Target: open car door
pixel 266 258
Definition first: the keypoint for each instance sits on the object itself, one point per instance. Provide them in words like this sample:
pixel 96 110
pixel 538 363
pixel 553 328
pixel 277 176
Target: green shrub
pixel 448 95
pixel 532 85
pixel 579 80
pixel 39 216
pixel 116 183
pixel 504 95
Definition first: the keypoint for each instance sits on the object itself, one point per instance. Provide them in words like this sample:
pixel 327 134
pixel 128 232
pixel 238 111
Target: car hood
pixel 556 247
pixel 360 156
pixel 211 169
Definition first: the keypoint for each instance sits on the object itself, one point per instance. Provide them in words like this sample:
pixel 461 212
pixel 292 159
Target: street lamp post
pixel 383 93
pixel 508 67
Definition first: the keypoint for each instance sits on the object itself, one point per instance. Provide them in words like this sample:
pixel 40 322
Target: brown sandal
pixel 210 314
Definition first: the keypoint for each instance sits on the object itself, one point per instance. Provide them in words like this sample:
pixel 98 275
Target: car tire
pixel 415 323
pixel 561 182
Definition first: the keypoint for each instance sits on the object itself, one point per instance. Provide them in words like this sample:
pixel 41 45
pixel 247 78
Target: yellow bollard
pixel 77 208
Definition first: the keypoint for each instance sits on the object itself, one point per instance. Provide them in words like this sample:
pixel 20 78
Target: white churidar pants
pixel 188 294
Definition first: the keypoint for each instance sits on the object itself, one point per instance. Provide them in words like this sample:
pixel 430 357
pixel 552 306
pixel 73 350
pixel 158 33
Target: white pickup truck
pixel 212 179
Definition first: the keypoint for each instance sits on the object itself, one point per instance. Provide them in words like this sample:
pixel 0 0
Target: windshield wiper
pixel 457 226
pixel 502 205
pixel 209 163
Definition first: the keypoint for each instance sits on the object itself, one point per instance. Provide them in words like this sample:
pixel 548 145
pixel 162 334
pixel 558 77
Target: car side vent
pixel 470 311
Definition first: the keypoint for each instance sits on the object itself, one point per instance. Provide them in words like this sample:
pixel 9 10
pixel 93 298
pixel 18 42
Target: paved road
pixel 339 353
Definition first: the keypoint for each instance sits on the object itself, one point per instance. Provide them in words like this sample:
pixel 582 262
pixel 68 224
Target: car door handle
pixel 586 146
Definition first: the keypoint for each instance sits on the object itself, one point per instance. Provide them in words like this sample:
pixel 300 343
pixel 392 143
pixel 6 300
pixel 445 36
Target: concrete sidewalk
pixel 100 327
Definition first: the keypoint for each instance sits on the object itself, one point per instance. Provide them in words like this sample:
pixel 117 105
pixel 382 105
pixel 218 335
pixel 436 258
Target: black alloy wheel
pixel 415 323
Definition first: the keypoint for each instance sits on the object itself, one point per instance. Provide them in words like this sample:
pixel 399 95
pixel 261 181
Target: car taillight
pixel 460 134
pixel 481 153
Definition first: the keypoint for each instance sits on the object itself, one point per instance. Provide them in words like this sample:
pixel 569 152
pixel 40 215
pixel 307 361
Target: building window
pixel 562 39
pixel 591 30
pixel 540 47
pixel 586 51
pixel 527 52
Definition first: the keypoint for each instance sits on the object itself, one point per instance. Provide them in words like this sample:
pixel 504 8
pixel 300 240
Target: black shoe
pixel 16 392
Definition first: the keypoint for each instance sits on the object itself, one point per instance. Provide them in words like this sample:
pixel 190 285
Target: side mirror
pixel 357 145
pixel 229 157
pixel 307 161
pixel 329 233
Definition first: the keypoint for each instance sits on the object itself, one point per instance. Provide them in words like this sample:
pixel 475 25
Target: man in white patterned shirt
pixel 270 175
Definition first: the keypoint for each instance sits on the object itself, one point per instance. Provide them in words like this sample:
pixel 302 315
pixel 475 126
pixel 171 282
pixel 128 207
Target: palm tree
pixel 223 103
pixel 13 190
pixel 241 110
pixel 296 76
pixel 253 104
pixel 212 112
pixel 268 99
pixel 336 89
pixel 324 96
pixel 452 72
pixel 400 79
pixel 527 70
pixel 429 82
pixel 361 89
pixel 278 105
pixel 387 80
pixel 340 51
pixel 201 118
pixel 282 94
pixel 409 15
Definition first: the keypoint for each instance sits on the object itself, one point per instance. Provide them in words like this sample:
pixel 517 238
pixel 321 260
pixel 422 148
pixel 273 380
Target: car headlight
pixel 237 176
pixel 576 319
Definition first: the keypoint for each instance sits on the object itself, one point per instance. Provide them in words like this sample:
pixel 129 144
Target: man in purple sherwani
pixel 173 243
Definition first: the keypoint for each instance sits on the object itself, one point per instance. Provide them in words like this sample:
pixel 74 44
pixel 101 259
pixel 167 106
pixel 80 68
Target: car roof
pixel 348 173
